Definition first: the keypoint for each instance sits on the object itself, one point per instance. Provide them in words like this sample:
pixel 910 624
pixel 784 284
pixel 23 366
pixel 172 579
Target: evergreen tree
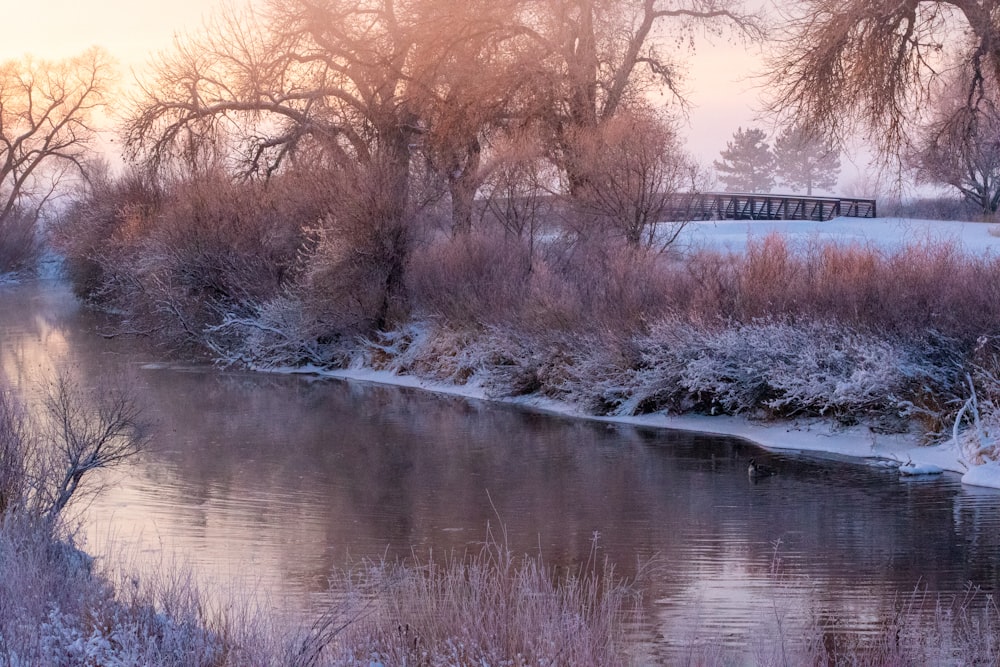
pixel 747 163
pixel 805 161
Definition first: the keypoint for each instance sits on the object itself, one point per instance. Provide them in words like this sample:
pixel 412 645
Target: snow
pixel 987 475
pixel 914 469
pixel 885 233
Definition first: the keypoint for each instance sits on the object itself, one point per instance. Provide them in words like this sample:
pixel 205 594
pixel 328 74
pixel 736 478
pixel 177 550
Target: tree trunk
pixel 395 165
pixel 463 183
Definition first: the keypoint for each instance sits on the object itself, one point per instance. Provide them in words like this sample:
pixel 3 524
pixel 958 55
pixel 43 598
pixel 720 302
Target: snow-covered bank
pixel 815 436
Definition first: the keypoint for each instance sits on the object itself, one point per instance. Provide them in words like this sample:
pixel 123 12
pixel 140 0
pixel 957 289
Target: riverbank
pixel 813 436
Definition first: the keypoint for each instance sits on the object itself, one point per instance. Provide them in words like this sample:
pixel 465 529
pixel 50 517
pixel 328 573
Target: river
pixel 269 482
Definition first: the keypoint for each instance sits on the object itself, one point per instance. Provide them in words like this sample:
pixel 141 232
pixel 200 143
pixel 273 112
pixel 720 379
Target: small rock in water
pixel 911 469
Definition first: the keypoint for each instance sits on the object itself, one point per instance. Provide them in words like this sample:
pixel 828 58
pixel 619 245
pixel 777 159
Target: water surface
pixel 271 482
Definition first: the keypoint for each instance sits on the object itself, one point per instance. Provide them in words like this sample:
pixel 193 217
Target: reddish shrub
pixel 470 278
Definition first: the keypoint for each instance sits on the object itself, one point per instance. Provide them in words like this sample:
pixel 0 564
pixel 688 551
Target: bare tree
pixel 518 189
pixel 960 146
pixel 635 166
pixel 87 432
pixel 46 116
pixel 604 56
pixel 474 82
pixel 44 459
pixel 869 67
pixel 366 85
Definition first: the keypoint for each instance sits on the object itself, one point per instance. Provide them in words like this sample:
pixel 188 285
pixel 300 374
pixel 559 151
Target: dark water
pixel 271 482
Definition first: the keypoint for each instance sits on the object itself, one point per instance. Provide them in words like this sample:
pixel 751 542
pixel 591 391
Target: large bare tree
pixel 870 67
pixel 959 146
pixel 330 78
pixel 379 78
pixel 606 55
pixel 46 127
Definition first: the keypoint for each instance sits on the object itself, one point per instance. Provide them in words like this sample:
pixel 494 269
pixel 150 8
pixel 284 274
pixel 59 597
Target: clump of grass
pixel 487 608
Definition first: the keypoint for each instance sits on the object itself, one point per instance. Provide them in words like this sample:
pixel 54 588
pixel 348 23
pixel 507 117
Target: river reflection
pixel 273 481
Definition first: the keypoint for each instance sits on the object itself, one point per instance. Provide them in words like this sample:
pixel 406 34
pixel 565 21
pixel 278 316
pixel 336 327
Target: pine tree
pixel 805 161
pixel 747 163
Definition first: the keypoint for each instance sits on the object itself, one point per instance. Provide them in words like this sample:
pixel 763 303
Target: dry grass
pixel 919 288
pixel 487 608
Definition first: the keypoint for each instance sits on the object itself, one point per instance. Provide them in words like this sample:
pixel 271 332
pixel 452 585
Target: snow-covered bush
pixel 814 368
pixel 763 369
pixel 976 427
pixel 279 333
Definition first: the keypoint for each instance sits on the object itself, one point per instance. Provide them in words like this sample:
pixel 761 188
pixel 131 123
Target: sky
pixel 133 31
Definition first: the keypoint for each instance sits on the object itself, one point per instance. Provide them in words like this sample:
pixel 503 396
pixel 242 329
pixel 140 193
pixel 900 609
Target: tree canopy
pixel 871 67
pixel 747 163
pixel 381 81
pixel 804 161
pixel 46 116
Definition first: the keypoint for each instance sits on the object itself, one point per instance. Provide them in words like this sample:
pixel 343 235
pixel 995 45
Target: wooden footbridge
pixel 738 206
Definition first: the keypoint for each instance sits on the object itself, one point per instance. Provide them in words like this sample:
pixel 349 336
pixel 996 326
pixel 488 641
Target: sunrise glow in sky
pixel 133 31
pixel 129 29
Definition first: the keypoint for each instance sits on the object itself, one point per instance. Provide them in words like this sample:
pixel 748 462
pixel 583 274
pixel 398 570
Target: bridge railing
pixel 742 206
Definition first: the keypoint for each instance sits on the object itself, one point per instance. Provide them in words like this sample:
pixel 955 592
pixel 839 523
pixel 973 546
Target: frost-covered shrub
pixel 279 333
pixel 771 369
pixel 172 259
pixel 977 425
pixel 98 232
pixel 778 368
pixel 813 368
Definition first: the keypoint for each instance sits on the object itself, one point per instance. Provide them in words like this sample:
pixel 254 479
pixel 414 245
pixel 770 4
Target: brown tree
pixel 46 116
pixel 328 77
pixel 959 146
pixel 604 56
pixel 635 166
pixel 870 67
pixel 474 81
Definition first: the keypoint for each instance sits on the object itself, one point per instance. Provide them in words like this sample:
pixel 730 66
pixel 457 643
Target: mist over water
pixel 271 482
